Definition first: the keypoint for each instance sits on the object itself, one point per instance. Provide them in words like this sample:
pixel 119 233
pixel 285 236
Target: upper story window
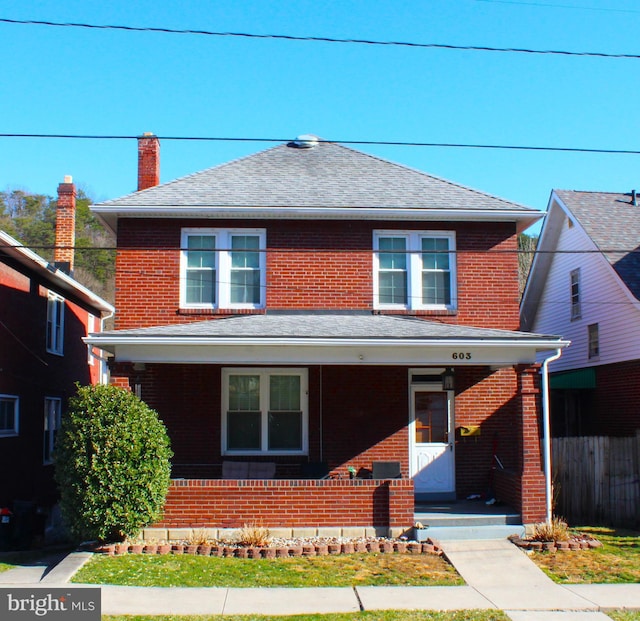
pixel 264 411
pixel 9 415
pixel 414 270
pixel 52 419
pixel 594 340
pixel 576 307
pixel 55 324
pixel 222 268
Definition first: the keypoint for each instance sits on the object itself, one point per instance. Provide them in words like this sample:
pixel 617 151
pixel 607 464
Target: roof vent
pixel 305 141
pixel 634 199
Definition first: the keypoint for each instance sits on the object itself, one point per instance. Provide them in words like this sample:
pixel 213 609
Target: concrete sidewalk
pixel 498 576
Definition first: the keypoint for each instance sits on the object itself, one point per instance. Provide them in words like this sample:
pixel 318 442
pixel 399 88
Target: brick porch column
pixel 531 467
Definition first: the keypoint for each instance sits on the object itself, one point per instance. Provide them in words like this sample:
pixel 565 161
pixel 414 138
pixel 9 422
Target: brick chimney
pixel 65 225
pixel 148 161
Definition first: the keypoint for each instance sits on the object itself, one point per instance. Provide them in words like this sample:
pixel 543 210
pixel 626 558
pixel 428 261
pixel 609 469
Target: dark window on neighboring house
pixel 594 340
pixel 52 417
pixel 55 324
pixel 9 415
pixel 576 308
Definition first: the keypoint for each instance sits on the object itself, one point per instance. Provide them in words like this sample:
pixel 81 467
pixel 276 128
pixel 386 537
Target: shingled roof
pixel 328 175
pixel 612 222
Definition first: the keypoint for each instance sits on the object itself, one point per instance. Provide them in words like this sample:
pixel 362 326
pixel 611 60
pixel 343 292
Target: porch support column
pixel 532 482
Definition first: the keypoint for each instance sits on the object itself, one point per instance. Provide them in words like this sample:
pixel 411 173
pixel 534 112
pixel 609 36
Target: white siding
pixel 604 301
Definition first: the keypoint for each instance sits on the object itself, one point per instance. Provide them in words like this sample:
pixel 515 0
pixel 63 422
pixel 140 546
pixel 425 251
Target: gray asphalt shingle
pixel 310 325
pixel 327 175
pixel 613 223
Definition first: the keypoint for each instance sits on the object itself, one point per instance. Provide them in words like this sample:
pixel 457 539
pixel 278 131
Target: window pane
pixel 244 393
pixel 243 431
pixel 285 431
pixel 435 260
pixel 241 255
pixel 201 287
pixel 392 260
pixel 201 251
pixel 436 288
pixel 393 287
pixel 245 286
pixel 7 415
pixel 284 392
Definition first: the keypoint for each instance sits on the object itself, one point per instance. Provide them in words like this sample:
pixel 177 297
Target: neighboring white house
pixel 584 284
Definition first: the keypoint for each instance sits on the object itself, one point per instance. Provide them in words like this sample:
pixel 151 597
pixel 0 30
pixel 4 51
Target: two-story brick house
pixel 44 315
pixel 311 304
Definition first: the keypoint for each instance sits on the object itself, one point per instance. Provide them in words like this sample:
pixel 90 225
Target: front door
pixel 432 446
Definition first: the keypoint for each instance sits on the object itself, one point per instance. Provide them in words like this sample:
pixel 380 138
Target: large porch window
pixel 264 411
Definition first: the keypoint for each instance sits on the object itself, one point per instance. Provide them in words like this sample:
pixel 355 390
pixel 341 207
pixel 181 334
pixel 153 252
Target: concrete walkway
pixel 498 576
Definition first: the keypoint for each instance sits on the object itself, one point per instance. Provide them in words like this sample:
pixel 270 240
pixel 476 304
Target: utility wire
pixel 548 5
pixel 248 35
pixel 386 143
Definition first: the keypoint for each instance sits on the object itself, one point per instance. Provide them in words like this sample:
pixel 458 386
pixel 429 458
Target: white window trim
pixel 576 304
pixel 91 327
pixel 264 396
pixel 49 438
pixel 223 267
pixel 5 433
pixel 414 269
pixel 593 341
pixel 56 302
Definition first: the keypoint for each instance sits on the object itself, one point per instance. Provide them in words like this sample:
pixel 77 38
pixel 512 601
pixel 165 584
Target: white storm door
pixel 432 447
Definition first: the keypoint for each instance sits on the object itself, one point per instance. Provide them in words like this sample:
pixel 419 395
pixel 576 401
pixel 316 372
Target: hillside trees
pixel 31 219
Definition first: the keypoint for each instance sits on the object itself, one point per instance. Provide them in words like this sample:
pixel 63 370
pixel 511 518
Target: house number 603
pixel 463 355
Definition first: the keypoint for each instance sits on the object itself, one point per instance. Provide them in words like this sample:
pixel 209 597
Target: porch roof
pixel 324 338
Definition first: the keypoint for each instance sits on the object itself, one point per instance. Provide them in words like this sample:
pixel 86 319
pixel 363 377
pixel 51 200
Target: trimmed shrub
pixel 111 464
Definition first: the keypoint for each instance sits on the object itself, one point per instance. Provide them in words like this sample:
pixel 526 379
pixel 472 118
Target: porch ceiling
pixel 319 338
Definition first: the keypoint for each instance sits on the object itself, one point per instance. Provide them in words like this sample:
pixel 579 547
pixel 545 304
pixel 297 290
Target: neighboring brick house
pixel 585 284
pixel 311 304
pixel 44 315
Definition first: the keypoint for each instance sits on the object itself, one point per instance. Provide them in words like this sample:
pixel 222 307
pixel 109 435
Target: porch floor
pixel 466 519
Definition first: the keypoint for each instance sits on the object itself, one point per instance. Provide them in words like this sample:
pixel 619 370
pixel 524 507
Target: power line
pixel 548 5
pixel 248 35
pixel 386 143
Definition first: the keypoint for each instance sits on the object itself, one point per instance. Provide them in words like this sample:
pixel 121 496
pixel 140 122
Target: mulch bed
pixel 385 546
pixel 577 542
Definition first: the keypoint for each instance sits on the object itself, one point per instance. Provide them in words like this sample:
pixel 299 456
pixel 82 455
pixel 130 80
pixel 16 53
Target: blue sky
pixel 77 81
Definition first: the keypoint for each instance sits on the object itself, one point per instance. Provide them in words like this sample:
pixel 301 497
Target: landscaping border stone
pixel 221 549
pixel 572 545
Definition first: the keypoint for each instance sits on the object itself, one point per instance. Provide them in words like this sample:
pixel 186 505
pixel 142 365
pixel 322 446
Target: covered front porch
pixel 370 390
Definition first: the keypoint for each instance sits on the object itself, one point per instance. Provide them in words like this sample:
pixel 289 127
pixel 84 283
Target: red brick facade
pixel 321 265
pixel 289 503
pixel 31 373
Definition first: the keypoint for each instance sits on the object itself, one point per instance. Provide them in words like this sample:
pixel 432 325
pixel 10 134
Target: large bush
pixel 112 464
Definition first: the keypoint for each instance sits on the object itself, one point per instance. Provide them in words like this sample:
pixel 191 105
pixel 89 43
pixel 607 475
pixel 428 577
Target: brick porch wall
pixel 288 503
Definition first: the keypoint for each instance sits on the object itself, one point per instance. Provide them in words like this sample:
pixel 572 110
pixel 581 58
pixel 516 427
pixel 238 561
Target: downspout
pixel 546 426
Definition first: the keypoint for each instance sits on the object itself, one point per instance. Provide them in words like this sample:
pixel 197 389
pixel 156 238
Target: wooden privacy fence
pixel 597 480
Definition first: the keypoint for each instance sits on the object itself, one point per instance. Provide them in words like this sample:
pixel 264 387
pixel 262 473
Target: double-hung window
pixel 222 268
pixel 414 270
pixel 9 415
pixel 52 418
pixel 593 332
pixel 55 324
pixel 264 411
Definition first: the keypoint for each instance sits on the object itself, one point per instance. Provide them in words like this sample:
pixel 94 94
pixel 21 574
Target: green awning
pixel 578 379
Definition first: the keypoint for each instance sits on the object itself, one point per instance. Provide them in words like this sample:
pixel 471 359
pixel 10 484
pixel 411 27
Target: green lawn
pixel 386 615
pixel 320 571
pixel 617 561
